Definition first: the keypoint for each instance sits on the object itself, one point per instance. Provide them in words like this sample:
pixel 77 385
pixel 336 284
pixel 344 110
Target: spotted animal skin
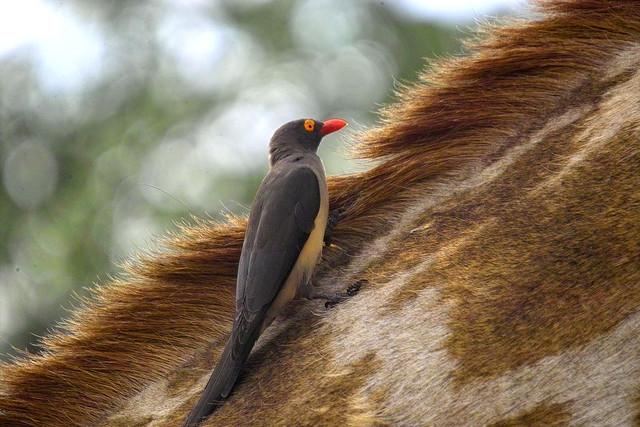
pixel 499 237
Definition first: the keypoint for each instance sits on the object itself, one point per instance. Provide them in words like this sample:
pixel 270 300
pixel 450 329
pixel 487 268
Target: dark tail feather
pixel 225 374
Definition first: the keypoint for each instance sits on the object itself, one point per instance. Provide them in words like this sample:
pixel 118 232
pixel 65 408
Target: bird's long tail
pixel 226 373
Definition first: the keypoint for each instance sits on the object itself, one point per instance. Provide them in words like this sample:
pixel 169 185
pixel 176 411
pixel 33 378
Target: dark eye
pixel 309 125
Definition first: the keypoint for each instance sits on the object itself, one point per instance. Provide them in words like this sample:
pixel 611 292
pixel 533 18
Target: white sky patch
pixel 66 52
pixel 22 23
pixel 194 42
pixel 455 10
pixel 69 51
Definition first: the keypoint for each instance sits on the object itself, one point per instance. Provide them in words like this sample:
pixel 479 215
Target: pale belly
pixel 306 263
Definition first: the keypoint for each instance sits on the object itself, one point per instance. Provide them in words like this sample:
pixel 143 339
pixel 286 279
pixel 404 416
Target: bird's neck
pixel 284 153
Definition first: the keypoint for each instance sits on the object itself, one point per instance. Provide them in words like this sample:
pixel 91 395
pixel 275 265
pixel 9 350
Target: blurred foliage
pixel 170 116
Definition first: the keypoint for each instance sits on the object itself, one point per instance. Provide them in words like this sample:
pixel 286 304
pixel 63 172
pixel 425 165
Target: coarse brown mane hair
pixel 498 234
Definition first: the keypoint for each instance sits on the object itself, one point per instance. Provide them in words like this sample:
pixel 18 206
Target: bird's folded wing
pixel 287 205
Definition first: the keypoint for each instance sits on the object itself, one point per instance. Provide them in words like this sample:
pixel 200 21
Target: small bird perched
pixel 282 245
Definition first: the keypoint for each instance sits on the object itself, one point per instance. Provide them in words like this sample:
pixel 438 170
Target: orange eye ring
pixel 309 125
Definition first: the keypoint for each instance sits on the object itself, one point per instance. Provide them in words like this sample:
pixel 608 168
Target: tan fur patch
pixel 543 416
pixel 549 283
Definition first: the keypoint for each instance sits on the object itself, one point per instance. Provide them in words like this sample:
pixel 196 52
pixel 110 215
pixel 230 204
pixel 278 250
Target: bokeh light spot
pixel 30 174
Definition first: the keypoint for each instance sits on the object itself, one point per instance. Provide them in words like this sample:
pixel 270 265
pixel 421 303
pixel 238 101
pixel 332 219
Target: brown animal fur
pixel 499 236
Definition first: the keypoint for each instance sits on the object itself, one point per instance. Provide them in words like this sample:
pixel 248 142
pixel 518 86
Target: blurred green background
pixel 118 118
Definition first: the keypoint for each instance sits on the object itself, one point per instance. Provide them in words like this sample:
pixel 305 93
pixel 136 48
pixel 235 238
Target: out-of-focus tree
pixel 140 113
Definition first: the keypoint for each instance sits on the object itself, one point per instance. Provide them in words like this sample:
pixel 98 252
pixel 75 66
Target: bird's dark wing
pixel 280 222
pixel 285 209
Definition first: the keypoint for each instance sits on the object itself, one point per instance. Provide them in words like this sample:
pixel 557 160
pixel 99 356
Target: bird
pixel 283 243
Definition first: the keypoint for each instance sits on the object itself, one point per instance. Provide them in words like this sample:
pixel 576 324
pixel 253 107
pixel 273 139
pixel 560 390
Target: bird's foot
pixel 334 299
pixel 309 291
pixel 335 216
pixel 330 298
pixel 352 290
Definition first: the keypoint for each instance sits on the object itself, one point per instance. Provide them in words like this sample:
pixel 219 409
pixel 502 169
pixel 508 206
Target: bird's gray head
pixel 302 135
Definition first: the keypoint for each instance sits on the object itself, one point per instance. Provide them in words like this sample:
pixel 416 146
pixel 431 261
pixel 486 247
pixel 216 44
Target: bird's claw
pixel 330 303
pixel 335 216
pixel 334 299
pixel 352 290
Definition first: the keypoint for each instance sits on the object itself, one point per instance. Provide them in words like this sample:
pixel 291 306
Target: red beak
pixel 332 125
